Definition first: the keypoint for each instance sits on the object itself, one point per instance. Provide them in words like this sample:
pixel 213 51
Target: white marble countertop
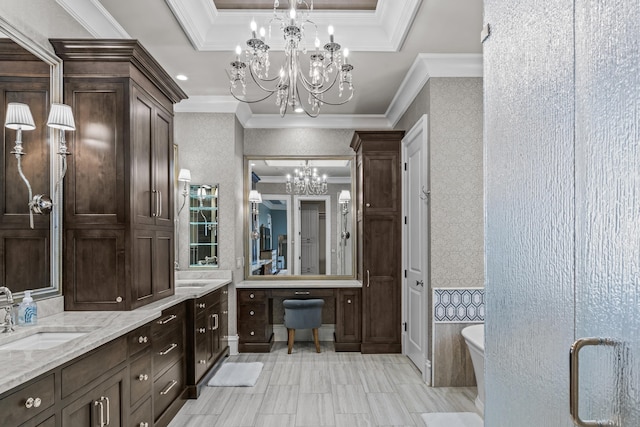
pixel 20 366
pixel 297 284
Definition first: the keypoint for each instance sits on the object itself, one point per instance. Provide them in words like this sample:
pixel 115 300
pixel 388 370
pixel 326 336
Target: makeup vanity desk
pixel 257 298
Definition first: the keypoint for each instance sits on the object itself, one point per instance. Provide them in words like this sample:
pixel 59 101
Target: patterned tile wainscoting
pixel 453 310
pixel 458 305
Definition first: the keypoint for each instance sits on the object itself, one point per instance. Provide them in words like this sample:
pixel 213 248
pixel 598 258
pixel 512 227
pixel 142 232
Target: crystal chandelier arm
pixel 251 102
pixel 333 103
pixel 316 93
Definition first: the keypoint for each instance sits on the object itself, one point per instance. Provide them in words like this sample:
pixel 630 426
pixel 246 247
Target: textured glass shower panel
pixel 529 205
pixel 608 206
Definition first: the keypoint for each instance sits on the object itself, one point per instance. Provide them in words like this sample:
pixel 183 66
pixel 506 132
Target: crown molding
pixel 382 30
pixel 426 66
pixel 94 18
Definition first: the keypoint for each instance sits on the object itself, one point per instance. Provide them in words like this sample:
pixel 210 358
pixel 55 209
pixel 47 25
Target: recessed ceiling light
pixel 182 77
pixel 299 110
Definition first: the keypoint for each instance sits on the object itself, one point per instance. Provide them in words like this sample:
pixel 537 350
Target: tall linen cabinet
pixel 118 191
pixel 379 222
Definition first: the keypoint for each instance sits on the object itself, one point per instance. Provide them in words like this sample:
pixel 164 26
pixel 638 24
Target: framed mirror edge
pixel 55 96
pixel 248 212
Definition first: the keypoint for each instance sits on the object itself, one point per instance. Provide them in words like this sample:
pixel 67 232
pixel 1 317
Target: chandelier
pixel 327 81
pixel 306 181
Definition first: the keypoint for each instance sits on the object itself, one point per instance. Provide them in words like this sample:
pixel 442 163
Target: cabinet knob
pixel 33 402
pixel 252 333
pixel 143 339
pixel 225 292
pixel 143 377
pixel 202 305
pixel 251 313
pixel 143 424
pixel 368 205
pixel 348 301
pixel 119 299
pixel 202 362
pixel 225 312
pixel 252 296
pixel 202 330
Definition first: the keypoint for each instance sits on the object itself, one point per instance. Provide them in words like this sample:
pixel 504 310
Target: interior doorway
pixel 312 229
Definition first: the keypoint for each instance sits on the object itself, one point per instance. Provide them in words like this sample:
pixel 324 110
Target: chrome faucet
pixel 8 318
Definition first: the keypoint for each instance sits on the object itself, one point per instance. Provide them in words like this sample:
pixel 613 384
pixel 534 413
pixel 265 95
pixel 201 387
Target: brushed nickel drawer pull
pixel 168 389
pixel 302 293
pixel 99 403
pixel 143 340
pixel 368 279
pixel 143 377
pixel 108 410
pixel 168 350
pixel 167 320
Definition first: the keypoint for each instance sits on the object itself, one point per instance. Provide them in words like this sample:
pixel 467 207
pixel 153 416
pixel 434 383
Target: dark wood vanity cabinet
pixel 348 335
pixel 118 204
pixel 379 222
pixel 207 341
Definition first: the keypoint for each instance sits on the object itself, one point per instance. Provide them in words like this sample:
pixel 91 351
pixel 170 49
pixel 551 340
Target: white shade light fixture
pixel 344 197
pixel 327 79
pixel 255 196
pixel 19 118
pixel 183 176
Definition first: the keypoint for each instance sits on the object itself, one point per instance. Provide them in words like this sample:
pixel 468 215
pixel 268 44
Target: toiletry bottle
pixel 27 311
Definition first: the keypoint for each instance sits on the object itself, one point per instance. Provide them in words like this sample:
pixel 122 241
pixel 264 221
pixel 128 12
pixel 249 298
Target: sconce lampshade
pixel 61 117
pixel 19 117
pixel 255 196
pixel 345 197
pixel 184 175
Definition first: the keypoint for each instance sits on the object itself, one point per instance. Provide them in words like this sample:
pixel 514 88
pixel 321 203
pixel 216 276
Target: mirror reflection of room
pixel 203 225
pixel 300 219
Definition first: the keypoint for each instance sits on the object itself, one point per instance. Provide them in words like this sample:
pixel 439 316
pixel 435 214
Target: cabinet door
pixel 203 345
pixel 145 199
pixel 381 286
pixel 163 167
pixel 348 316
pixel 142 266
pixel 94 186
pixel 214 328
pixel 163 270
pixel 381 188
pixel 94 269
pixel 101 406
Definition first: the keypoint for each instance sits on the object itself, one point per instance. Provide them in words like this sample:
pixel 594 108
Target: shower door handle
pixel 574 373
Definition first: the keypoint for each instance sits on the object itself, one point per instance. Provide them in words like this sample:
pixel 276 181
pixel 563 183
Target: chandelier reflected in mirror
pixel 326 80
pixel 306 180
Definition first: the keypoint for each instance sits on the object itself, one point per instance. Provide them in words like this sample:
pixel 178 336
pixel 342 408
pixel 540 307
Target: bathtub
pixel 474 336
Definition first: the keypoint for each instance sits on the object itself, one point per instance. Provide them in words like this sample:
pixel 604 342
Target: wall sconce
pixel 19 118
pixel 255 198
pixel 343 199
pixel 183 176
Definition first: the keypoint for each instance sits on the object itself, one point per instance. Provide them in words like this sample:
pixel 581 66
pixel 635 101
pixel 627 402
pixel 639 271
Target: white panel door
pixel 416 238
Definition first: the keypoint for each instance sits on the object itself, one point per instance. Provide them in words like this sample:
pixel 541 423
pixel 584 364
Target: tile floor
pixel 326 389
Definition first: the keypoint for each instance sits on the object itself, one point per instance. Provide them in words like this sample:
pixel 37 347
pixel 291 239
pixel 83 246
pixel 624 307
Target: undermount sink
pixel 41 340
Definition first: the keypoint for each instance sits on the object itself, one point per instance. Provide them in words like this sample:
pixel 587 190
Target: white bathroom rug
pixel 452 419
pixel 236 375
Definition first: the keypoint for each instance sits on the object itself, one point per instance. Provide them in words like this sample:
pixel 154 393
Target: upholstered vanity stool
pixel 303 314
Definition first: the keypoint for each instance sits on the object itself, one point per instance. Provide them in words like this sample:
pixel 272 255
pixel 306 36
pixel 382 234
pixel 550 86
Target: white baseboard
pixel 325 333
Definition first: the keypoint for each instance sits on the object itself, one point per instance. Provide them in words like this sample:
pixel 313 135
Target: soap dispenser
pixel 27 311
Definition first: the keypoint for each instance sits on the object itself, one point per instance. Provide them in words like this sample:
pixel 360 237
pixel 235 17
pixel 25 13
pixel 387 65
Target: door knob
pixel 420 283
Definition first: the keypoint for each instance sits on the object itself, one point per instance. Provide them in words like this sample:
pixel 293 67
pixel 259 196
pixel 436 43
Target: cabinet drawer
pixel 249 296
pixel 207 301
pixel 23 405
pixel 143 416
pixel 166 351
pixel 171 320
pixel 87 369
pixel 253 331
pixel 301 293
pixel 168 388
pixel 252 312
pixel 140 378
pixel 224 294
pixel 139 340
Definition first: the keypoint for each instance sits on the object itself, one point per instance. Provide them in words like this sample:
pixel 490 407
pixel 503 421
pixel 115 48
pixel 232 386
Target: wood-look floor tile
pixel 388 410
pixel 314 380
pixel 280 399
pixel 261 386
pixel 285 374
pixel 212 401
pixel 354 420
pixel 402 373
pixel 194 421
pixel 350 399
pixel 375 381
pixel 343 373
pixel 241 410
pixel 315 410
pixel 276 420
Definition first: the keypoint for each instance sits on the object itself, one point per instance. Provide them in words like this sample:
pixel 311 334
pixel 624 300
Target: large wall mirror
pixel 299 217
pixel 203 225
pixel 29 256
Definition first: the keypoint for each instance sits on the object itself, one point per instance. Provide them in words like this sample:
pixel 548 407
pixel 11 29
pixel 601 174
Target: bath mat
pixel 452 419
pixel 237 375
